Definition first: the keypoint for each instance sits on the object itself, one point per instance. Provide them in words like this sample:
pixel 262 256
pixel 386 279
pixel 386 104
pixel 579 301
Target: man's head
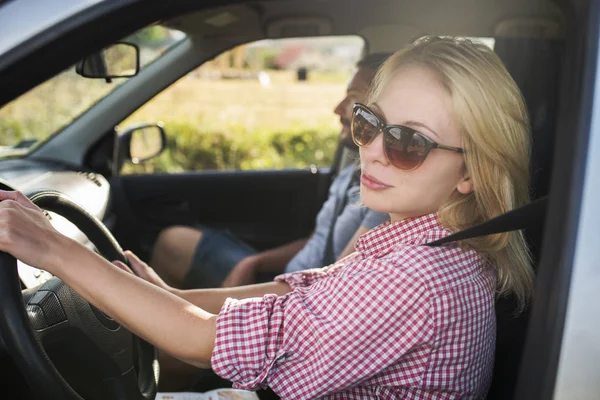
pixel 356 92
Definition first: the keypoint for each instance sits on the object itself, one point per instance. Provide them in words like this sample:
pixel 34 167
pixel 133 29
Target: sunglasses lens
pixel 364 126
pixel 404 148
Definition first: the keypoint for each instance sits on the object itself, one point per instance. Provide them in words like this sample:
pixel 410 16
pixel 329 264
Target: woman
pixel 444 144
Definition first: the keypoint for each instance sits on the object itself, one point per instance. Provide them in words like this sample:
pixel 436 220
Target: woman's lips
pixel 372 183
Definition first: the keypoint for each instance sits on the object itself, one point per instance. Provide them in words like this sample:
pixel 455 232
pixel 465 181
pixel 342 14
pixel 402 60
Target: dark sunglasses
pixel 404 147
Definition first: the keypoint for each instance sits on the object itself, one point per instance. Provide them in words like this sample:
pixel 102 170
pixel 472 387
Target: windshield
pixel 46 109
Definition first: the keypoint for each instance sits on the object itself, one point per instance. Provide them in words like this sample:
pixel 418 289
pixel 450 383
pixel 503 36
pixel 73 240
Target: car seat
pixel 535 66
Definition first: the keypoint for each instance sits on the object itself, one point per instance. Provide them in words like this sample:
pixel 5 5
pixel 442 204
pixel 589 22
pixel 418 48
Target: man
pixel 186 257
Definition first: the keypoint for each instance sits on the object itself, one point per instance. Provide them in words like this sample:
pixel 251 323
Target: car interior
pixel 271 207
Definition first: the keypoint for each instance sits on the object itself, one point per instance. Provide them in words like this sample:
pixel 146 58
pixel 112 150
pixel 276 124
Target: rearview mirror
pixel 120 60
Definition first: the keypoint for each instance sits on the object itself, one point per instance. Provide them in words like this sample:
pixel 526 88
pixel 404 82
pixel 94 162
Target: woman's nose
pixel 374 152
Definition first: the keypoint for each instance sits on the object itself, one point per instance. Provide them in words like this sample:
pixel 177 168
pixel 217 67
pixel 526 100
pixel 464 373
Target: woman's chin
pixel 375 201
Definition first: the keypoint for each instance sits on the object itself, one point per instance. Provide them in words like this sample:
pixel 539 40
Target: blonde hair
pixel 491 112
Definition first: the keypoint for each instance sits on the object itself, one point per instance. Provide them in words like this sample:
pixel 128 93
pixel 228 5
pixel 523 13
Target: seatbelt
pixel 527 216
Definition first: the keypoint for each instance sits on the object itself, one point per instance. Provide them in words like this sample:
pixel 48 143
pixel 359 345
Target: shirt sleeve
pixel 321 339
pixel 308 277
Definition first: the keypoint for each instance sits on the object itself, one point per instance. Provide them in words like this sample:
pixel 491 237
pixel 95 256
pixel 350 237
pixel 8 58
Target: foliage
pixel 190 147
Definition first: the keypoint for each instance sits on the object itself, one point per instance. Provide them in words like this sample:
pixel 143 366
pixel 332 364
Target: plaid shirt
pixel 394 320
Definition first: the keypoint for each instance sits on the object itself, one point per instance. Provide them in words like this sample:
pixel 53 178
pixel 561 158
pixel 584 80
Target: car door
pixel 264 208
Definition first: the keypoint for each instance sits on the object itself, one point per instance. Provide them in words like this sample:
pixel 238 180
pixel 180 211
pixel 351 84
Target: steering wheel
pixel 64 347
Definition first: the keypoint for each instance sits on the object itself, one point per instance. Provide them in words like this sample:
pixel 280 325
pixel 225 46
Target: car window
pixel 263 105
pixel 54 104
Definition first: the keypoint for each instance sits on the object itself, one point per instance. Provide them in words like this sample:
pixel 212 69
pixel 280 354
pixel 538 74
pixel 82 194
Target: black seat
pixel 534 65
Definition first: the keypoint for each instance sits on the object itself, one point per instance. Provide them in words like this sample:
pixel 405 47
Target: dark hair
pixel 373 60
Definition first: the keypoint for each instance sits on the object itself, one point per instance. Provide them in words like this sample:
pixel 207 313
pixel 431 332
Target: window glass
pixel 264 105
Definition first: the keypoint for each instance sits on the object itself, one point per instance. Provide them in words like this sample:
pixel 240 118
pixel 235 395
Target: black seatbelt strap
pixel 530 215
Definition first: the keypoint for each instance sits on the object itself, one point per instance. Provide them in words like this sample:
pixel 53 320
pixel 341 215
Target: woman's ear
pixel 465 186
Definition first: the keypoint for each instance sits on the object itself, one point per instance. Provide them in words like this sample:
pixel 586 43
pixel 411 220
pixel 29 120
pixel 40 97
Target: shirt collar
pixel 416 230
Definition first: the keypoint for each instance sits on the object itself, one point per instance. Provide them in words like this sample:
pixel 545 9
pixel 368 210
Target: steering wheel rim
pixel 21 339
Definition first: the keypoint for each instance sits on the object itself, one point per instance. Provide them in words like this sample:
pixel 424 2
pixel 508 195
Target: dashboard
pixel 90 190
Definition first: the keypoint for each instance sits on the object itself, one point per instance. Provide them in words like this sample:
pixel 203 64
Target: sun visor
pixel 223 21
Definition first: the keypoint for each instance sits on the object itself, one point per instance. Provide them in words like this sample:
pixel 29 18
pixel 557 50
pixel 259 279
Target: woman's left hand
pixel 143 270
pixel 25 231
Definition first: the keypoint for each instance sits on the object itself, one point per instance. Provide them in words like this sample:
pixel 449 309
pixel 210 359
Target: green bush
pixel 189 147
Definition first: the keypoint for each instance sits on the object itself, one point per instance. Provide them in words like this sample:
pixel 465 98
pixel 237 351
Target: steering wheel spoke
pixel 46 313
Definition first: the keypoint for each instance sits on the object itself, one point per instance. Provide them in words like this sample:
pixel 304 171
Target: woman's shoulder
pixel 439 268
pixel 400 250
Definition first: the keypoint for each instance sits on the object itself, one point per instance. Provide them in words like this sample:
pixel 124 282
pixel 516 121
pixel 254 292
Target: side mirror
pixel 120 60
pixel 139 143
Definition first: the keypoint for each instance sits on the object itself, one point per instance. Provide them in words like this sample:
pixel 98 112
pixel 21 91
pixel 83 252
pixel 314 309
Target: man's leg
pixel 173 253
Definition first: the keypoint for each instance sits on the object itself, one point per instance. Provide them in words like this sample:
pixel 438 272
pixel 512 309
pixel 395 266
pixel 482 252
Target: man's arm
pixel 349 249
pixel 270 262
pixel 273 261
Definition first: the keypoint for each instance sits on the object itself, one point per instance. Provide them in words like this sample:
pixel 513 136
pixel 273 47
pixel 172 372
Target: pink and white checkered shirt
pixel 394 320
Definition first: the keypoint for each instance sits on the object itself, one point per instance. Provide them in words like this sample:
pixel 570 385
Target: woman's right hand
pixel 142 270
pixel 26 233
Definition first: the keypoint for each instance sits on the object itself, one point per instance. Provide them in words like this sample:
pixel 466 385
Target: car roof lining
pixel 401 20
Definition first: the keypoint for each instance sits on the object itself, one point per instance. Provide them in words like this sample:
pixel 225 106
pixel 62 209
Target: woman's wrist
pixel 62 251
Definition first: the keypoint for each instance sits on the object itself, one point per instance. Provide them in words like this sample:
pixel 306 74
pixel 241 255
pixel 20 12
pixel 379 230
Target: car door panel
pixel 263 208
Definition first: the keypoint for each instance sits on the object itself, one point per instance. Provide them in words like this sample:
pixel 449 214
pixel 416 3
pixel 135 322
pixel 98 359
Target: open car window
pixel 267 104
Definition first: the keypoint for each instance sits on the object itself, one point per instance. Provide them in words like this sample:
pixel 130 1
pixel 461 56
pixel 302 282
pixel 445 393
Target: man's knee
pixel 175 239
pixel 173 251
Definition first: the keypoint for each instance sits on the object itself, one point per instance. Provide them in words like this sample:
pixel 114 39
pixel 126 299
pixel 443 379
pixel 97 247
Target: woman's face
pixel 415 98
